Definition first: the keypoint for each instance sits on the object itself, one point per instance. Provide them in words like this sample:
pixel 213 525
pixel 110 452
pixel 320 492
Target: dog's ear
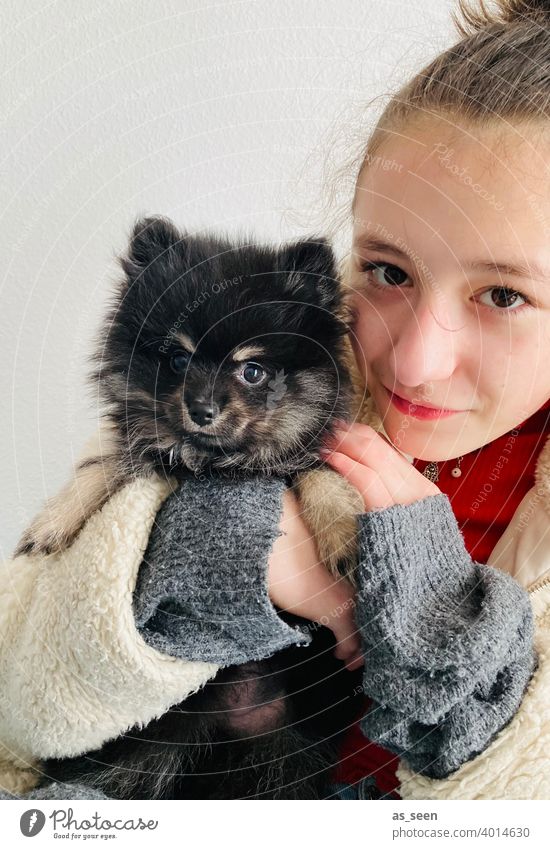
pixel 152 242
pixel 310 266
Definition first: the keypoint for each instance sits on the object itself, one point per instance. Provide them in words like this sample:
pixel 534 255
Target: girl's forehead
pixel 480 183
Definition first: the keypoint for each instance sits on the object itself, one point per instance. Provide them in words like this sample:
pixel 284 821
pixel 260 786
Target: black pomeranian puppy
pixel 307 702
pixel 222 354
pixel 229 356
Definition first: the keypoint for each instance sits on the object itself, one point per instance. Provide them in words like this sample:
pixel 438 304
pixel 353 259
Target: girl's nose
pixel 427 345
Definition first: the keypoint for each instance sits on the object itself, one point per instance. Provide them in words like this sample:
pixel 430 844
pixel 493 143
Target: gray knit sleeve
pixel 201 592
pixel 57 790
pixel 448 641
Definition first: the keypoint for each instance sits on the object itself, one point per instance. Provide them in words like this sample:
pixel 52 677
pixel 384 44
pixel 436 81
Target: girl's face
pixel 451 270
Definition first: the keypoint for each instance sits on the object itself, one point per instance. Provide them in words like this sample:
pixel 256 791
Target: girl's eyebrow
pixel 528 270
pixel 373 243
pixel 511 268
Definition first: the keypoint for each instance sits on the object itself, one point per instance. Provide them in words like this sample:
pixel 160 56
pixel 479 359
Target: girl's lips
pixel 416 410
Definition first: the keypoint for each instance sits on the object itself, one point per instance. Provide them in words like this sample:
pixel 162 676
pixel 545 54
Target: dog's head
pixel 224 352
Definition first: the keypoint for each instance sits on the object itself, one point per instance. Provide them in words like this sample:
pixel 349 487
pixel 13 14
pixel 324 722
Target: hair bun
pixel 500 12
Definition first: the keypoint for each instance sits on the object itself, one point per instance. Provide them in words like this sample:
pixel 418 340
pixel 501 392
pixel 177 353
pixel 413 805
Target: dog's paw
pixel 337 544
pixel 40 540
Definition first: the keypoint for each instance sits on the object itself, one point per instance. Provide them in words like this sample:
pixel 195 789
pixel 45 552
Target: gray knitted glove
pixel 448 641
pixel 202 589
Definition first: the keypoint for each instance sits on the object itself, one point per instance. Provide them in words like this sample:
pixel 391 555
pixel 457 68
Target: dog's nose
pixel 203 412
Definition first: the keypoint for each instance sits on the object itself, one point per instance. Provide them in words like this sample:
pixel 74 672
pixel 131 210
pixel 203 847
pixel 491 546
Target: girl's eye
pixel 505 299
pixel 179 361
pixel 253 374
pixel 384 273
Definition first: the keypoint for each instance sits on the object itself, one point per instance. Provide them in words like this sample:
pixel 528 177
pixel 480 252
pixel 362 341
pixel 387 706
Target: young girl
pixel 448 276
pixel 449 273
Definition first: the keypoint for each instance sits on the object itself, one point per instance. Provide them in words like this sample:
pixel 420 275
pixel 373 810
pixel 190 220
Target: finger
pixel 348 638
pixel 381 452
pixel 365 446
pixel 348 642
pixel 355 662
pixel 367 481
pixel 349 646
pixel 404 483
pixel 362 441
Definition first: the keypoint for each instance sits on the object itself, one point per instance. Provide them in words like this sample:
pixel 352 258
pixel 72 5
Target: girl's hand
pixel 299 583
pixel 375 468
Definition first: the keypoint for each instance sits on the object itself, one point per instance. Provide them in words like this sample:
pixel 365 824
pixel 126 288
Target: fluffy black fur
pixel 179 407
pixel 191 752
pixel 178 398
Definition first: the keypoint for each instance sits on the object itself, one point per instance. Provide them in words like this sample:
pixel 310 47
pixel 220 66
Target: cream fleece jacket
pixel 73 611
pixel 74 669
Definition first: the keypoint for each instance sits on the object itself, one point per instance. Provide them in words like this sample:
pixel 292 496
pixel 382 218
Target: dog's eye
pixel 253 374
pixel 179 361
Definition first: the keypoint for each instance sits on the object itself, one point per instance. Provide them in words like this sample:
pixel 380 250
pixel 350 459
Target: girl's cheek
pixel 363 335
pixel 375 327
pixel 371 347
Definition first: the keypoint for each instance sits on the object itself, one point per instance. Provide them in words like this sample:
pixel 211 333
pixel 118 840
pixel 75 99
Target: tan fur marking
pixel 248 352
pixel 186 342
pixel 63 515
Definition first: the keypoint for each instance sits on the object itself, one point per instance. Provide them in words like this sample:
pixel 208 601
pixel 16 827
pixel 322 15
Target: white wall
pixel 219 115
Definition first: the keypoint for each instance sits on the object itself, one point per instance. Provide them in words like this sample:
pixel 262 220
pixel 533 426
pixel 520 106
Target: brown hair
pixel 500 68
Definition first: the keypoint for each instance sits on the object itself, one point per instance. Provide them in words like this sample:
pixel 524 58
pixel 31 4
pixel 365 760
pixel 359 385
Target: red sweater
pixel 484 499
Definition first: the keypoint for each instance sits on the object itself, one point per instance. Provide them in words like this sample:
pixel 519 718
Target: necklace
pixel 432 470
